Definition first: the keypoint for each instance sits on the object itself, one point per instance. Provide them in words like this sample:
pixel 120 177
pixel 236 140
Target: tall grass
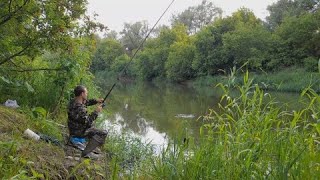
pixel 287 80
pixel 11 165
pixel 249 137
pixel 125 154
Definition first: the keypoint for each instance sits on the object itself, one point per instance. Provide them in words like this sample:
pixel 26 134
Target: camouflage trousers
pixel 98 134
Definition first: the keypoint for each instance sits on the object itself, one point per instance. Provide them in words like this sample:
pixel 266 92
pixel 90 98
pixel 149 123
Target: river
pixel 158 112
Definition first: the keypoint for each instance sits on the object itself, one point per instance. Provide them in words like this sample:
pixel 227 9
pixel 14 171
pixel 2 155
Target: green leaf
pixel 6 80
pixel 29 87
pixel 39 112
pixel 319 65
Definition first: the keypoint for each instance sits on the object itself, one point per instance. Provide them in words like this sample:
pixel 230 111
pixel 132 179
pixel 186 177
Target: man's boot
pixel 94 142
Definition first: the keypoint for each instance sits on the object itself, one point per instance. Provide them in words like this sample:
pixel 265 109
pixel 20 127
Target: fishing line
pixel 135 53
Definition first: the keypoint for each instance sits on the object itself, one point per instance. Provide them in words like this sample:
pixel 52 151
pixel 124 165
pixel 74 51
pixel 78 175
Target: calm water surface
pixel 156 113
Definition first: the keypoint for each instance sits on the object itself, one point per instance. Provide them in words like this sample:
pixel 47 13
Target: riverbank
pixel 23 158
pixel 287 80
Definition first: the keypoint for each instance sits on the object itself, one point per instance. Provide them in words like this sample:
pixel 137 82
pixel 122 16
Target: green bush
pixel 311 64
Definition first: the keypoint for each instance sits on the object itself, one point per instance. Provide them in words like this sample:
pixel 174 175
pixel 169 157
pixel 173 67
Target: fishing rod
pixel 139 47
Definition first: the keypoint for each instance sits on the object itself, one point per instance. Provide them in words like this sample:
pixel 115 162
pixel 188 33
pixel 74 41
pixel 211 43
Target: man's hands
pixel 100 100
pixel 99 108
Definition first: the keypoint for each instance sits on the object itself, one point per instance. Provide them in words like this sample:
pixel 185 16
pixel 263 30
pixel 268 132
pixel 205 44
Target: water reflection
pixel 156 113
pixel 140 128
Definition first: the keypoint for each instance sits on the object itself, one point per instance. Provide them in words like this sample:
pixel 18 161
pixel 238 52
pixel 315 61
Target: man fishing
pixel 80 123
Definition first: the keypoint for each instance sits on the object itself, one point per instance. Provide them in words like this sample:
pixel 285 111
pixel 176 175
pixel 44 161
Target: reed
pixel 287 80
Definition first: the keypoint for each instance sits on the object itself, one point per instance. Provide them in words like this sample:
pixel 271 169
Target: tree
pixel 208 54
pixel 287 8
pixel 157 30
pixel 133 34
pixel 28 27
pixel 179 63
pixel 149 64
pixel 120 65
pixel 178 66
pixel 211 56
pixel 112 35
pixel 248 42
pixel 298 39
pixel 196 17
pixel 48 78
pixel 151 61
pixel 107 52
pixel 228 41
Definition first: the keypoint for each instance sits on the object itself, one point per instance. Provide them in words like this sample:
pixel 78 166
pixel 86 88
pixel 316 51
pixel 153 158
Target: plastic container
pixel 32 135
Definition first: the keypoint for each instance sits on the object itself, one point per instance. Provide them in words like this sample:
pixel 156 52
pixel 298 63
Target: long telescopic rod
pixel 128 63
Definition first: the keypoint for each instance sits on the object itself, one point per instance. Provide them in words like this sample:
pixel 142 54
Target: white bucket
pixel 32 135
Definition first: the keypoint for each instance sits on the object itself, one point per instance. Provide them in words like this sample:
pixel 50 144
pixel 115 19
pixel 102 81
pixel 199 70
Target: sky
pixel 114 13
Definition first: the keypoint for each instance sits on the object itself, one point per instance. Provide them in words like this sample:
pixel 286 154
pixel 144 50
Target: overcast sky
pixel 114 13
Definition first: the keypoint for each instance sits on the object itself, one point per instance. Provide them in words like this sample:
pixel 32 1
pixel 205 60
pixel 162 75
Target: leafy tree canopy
pixel 196 17
pixel 28 27
pixel 133 34
pixel 286 8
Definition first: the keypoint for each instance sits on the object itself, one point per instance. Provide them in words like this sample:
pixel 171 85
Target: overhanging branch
pixel 13 55
pixel 37 69
pixel 7 17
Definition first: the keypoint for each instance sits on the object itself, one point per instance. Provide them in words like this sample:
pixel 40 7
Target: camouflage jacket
pixel 78 118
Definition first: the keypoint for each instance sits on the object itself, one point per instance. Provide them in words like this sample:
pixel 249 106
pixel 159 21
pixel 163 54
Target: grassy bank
pixel 22 158
pixel 288 80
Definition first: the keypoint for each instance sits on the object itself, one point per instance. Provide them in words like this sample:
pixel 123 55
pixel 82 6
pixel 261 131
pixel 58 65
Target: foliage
pixel 209 55
pixel 112 35
pixel 300 35
pixel 178 66
pixel 146 63
pixel 12 166
pixel 65 70
pixel 133 35
pixel 289 80
pixel 28 27
pixel 51 43
pixel 121 65
pixel 247 43
pixel 107 52
pixel 289 8
pixel 311 64
pixel 228 42
pixel 150 63
pixel 125 154
pixel 293 80
pixel 45 50
pixel 197 17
